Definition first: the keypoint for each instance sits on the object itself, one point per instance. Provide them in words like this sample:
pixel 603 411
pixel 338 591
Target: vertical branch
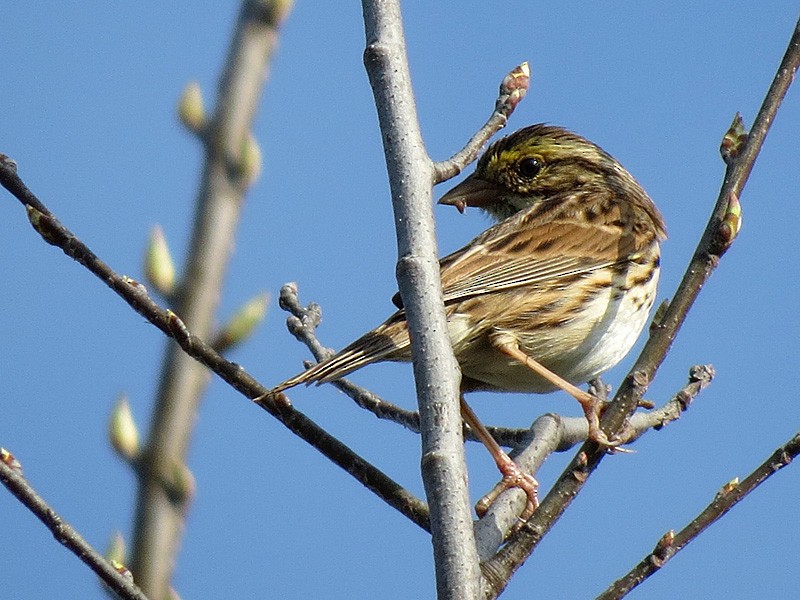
pixel 164 487
pixel 411 176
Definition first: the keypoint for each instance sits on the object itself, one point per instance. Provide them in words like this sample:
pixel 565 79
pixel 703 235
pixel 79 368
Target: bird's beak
pixel 473 191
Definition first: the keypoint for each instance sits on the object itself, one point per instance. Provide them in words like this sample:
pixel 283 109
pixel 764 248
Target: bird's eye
pixel 529 167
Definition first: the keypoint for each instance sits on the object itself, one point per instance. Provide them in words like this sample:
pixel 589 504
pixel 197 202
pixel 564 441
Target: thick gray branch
pixel 411 176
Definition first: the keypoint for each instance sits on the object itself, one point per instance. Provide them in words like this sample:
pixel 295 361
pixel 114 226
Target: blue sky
pixel 88 102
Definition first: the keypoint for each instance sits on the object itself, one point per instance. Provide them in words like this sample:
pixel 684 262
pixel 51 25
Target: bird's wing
pixel 531 253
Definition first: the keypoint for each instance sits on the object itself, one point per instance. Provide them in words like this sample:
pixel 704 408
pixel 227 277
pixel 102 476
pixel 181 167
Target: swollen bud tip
pixel 191 110
pixel 249 166
pixel 734 140
pixel 10 460
pixel 159 268
pixel 243 322
pixel 513 88
pixel 122 430
pixel 116 551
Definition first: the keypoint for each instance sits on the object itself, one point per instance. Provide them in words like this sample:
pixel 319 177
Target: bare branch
pixel 730 495
pixel 302 325
pixel 53 232
pixel 228 171
pixel 551 433
pixel 512 90
pixel 713 243
pixel 411 176
pixel 115 578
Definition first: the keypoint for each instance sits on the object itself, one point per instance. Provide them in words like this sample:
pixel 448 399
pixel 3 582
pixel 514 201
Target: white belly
pixel 577 352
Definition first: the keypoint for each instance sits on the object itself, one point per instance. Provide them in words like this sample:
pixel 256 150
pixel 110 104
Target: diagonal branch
pixel 135 295
pixel 549 434
pixel 512 90
pixel 716 239
pixel 730 495
pixel 115 578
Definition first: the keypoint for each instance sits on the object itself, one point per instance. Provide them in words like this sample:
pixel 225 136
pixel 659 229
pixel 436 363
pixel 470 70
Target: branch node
pixel 658 316
pixel 11 461
pixel 726 489
pixel 137 287
pixel 43 224
pixel 729 227
pixel 664 549
pixel 178 329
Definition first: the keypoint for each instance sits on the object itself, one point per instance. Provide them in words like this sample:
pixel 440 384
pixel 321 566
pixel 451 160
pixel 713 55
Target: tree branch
pixel 551 433
pixel 135 295
pixel 302 325
pixel 117 579
pixel 717 237
pixel 159 519
pixel 512 90
pixel 730 495
pixel 411 177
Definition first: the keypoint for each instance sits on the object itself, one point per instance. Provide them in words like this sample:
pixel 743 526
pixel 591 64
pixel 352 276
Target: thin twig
pixel 512 90
pixel 730 495
pixel 714 242
pixel 302 325
pixel 53 232
pixel 116 580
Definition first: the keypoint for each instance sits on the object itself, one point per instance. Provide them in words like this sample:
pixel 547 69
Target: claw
pixel 513 477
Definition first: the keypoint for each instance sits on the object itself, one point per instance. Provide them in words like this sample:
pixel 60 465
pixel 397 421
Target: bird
pixel 553 294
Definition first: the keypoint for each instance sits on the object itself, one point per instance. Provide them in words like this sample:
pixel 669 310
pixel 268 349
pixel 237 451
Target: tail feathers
pixel 386 342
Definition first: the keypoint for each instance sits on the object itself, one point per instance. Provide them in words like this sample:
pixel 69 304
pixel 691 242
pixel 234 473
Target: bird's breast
pixel 577 331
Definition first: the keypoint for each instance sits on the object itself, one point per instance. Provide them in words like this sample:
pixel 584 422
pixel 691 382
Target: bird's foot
pixel 513 477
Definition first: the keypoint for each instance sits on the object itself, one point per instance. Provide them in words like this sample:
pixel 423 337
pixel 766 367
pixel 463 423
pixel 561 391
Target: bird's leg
pixel 513 476
pixel 592 406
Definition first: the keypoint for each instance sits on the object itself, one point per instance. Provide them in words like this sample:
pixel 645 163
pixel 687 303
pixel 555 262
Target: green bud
pixel 242 324
pixel 159 268
pixel 191 111
pixel 734 140
pixel 116 550
pixel 122 570
pixel 122 430
pixel 180 485
pixel 250 160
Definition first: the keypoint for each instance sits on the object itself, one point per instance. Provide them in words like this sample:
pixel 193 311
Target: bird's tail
pixel 388 341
